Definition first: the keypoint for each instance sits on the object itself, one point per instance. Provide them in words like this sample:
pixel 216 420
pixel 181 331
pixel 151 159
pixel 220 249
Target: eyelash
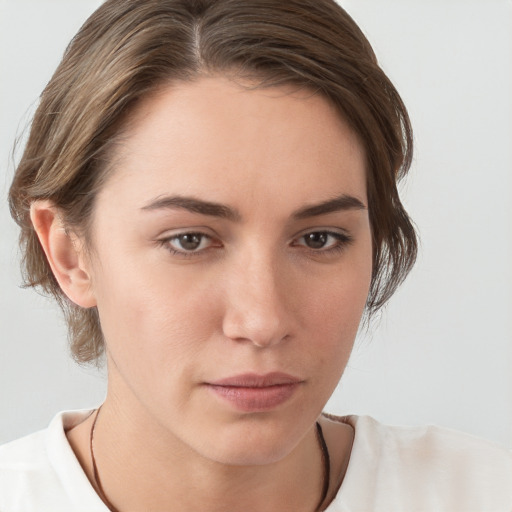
pixel 342 242
pixel 166 243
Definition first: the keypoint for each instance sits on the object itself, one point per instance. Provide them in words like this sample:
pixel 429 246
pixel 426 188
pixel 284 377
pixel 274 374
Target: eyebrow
pixel 341 203
pixel 195 206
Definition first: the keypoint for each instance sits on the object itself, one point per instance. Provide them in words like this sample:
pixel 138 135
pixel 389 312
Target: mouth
pixel 251 392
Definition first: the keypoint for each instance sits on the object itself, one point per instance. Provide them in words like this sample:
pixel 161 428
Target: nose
pixel 257 307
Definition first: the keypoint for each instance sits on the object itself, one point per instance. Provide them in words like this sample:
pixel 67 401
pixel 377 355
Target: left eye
pixel 323 240
pixel 189 242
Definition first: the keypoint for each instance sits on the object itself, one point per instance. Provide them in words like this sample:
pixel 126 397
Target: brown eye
pixel 316 240
pixel 324 241
pixel 188 242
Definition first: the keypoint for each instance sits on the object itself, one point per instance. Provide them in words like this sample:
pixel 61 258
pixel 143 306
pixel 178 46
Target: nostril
pixel 263 324
pixel 260 332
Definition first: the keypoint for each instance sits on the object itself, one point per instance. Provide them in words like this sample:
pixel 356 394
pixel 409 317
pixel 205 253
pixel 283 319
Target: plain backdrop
pixel 442 351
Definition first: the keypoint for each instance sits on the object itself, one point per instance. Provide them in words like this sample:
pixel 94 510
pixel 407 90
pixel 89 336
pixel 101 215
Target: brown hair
pixel 128 48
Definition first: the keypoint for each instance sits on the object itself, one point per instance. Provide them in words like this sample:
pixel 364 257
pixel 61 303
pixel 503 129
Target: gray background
pixel 442 352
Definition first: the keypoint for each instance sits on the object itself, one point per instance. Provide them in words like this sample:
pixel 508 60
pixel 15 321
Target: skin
pixel 253 297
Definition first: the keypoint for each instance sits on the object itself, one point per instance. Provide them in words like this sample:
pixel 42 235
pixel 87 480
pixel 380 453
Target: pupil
pixel 316 240
pixel 190 242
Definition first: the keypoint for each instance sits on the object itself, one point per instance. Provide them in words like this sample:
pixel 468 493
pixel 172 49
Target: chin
pixel 251 443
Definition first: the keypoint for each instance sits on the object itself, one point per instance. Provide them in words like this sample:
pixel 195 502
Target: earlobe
pixel 63 252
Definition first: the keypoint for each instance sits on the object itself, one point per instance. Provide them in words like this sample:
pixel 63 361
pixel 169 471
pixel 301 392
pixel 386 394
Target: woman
pixel 209 191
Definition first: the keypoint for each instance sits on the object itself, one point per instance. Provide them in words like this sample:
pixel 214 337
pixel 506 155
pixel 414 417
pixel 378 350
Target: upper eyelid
pixel 167 234
pixel 329 230
pixel 342 238
pixel 335 234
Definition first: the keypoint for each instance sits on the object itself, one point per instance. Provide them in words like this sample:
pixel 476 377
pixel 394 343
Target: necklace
pixel 319 434
pixel 327 465
pixel 95 474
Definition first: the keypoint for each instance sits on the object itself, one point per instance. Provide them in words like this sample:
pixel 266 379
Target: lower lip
pixel 255 399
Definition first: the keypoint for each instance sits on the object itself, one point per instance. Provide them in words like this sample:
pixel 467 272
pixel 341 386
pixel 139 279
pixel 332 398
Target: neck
pixel 142 466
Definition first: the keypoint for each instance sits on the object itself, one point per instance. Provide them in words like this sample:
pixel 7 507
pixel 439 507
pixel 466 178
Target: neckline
pixel 60 458
pixel 341 476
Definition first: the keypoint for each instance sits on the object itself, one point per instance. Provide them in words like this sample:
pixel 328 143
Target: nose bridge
pixel 256 308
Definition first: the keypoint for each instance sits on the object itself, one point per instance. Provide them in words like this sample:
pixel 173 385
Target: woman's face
pixel 231 264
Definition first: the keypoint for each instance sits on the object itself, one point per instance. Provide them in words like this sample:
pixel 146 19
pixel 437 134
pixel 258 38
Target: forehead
pixel 220 141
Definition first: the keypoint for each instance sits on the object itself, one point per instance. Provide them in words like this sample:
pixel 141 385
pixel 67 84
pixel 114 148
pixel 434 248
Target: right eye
pixel 187 243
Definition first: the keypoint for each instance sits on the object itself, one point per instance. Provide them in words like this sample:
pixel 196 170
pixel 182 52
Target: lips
pixel 253 380
pixel 251 392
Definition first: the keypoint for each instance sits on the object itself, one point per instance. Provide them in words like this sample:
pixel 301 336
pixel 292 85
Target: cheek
pixel 155 322
pixel 334 313
pixel 333 326
pixel 339 301
pixel 155 343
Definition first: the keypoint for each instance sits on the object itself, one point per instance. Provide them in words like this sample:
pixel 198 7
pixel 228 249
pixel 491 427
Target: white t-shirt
pixel 391 469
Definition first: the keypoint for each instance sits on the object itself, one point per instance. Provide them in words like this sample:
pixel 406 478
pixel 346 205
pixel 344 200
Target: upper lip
pixel 254 380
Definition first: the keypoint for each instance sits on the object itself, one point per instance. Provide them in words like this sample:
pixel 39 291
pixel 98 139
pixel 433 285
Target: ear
pixel 64 252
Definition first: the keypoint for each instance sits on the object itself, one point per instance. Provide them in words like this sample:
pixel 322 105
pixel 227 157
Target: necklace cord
pixel 327 465
pixel 319 434
pixel 95 474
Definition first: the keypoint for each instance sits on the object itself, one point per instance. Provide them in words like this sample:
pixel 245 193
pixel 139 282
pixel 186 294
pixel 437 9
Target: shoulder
pixel 430 444
pixel 39 472
pixel 26 451
pixel 443 469
pixel 22 461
